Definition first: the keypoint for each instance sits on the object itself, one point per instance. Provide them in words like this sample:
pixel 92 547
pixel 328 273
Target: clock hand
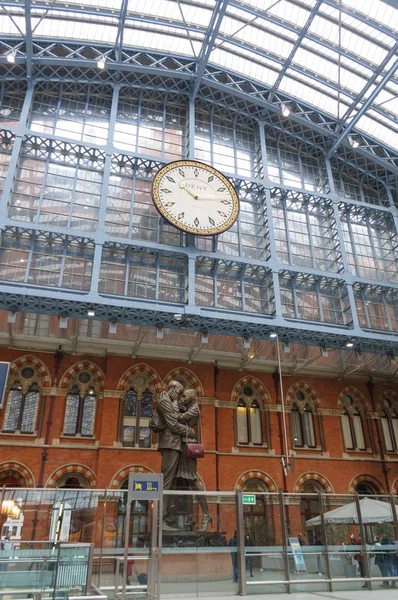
pixel 182 186
pixel 212 198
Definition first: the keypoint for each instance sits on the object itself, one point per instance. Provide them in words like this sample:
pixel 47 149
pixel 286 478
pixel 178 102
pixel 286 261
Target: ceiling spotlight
pixel 285 110
pixel 11 58
pixel 349 344
pixel 273 335
pixel 91 312
pixel 101 63
pixel 353 142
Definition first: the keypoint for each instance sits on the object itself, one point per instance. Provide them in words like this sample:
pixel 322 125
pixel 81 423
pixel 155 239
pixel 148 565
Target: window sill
pixel 307 449
pixel 357 451
pixel 251 445
pixel 77 436
pixel 19 433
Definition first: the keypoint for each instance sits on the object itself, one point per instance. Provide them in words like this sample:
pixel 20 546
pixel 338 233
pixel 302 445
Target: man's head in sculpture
pixel 175 390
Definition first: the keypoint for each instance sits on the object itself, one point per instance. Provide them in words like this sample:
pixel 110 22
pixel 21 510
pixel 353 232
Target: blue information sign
pixel 145 486
pixel 297 554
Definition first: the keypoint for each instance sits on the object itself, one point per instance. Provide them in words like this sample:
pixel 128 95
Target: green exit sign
pixel 249 499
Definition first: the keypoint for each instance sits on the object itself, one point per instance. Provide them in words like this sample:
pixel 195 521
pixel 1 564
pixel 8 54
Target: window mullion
pixel 137 420
pixel 79 419
pixel 21 411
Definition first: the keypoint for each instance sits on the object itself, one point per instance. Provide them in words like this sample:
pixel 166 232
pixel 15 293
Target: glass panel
pixel 145 437
pixel 13 410
pixel 296 427
pixel 394 422
pixel 71 414
pixel 387 434
pixel 130 403
pixel 31 406
pixel 255 425
pixel 358 429
pixel 347 435
pixel 308 426
pixel 241 423
pixel 146 403
pixel 128 435
pixel 88 418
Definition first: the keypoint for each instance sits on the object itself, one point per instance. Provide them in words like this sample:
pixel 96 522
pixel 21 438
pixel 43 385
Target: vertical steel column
pixel 362 532
pixel 191 280
pixel 19 131
pixel 330 174
pixel 126 545
pixel 191 129
pixel 102 538
pixel 325 541
pixel 241 545
pixel 160 539
pixel 284 540
pixel 394 514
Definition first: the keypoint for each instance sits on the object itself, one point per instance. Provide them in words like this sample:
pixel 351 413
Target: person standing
pixel 7 547
pixel 233 543
pixel 359 558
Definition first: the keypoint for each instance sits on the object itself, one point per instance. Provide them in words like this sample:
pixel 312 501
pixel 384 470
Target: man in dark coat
pixel 171 436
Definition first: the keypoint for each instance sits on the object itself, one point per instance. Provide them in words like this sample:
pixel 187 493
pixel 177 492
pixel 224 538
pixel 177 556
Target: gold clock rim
pixel 191 163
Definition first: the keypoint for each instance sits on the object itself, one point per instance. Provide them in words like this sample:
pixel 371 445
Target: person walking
pixel 233 543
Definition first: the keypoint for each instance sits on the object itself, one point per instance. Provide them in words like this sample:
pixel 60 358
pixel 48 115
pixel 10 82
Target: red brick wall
pixel 224 470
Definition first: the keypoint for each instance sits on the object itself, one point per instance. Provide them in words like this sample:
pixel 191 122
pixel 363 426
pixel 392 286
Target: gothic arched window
pixel 81 405
pixel 389 422
pixel 352 423
pixel 248 418
pixel 22 402
pixel 302 421
pixel 137 408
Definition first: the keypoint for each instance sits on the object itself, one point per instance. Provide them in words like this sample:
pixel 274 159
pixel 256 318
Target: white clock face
pixel 195 197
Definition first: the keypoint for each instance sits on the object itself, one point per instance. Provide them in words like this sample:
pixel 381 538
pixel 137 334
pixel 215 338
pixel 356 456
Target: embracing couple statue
pixel 176 415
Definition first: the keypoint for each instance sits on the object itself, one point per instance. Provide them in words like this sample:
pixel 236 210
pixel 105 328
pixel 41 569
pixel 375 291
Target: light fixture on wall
pixel 101 63
pixel 91 312
pixel 63 322
pixel 10 509
pixel 349 344
pixel 273 335
pixel 159 333
pixel 247 343
pixel 11 58
pixel 285 110
pixel 204 338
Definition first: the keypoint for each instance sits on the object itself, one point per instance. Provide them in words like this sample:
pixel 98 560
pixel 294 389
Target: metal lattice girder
pixel 208 43
pixel 177 73
pixel 140 312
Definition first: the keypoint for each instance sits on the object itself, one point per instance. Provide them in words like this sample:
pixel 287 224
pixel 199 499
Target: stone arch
pixel 256 383
pixel 29 359
pixel 185 373
pixel 394 487
pixel 16 467
pixel 135 369
pixel 312 476
pixel 391 395
pixel 351 389
pixel 117 479
pixel 360 478
pixel 308 388
pixel 255 474
pixel 82 365
pixel 72 469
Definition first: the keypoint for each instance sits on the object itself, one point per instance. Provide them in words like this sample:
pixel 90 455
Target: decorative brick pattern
pixel 35 362
pixel 313 477
pixel 359 478
pixel 351 390
pixel 306 387
pixel 254 474
pixel 256 383
pixel 72 468
pixel 123 473
pixel 144 368
pixel 195 381
pixel 83 365
pixel 15 467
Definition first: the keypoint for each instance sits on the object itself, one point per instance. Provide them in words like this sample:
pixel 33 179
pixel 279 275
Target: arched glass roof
pixel 339 56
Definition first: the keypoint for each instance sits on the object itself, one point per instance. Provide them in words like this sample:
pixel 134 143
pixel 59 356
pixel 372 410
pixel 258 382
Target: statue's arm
pixel 193 413
pixel 169 416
